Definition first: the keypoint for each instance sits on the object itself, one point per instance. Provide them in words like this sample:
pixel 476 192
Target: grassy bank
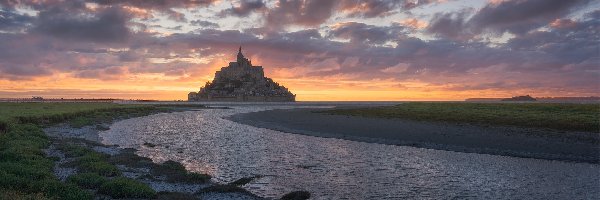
pixel 49 113
pixel 571 117
pixel 27 173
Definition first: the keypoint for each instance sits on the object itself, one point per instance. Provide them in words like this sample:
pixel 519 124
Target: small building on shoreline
pixel 520 98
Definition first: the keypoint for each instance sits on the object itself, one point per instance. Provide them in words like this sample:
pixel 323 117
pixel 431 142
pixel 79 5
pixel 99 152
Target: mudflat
pixel 461 137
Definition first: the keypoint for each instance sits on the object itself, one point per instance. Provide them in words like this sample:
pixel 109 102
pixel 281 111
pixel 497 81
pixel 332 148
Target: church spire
pixel 240 57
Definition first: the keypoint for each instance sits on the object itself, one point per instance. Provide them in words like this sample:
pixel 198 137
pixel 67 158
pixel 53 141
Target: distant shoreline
pixel 495 140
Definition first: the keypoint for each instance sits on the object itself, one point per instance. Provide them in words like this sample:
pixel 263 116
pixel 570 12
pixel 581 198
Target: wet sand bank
pixel 495 140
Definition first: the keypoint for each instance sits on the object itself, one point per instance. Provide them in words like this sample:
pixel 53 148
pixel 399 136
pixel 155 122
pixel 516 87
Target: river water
pixel 339 169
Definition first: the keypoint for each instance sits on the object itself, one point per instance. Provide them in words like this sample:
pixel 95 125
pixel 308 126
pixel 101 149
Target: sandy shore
pixel 506 141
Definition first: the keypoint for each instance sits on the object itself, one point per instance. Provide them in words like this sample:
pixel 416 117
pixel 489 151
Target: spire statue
pixel 240 56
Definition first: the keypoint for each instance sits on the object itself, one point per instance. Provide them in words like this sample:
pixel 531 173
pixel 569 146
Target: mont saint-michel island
pixel 241 81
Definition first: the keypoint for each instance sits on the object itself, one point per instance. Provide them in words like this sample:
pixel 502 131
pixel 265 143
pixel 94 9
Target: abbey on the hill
pixel 240 81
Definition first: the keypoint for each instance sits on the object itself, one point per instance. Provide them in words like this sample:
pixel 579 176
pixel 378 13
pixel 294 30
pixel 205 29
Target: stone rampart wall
pixel 247 98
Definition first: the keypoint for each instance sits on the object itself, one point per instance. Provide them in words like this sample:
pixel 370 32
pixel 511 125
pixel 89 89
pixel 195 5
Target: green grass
pixel 79 122
pixel 89 161
pixel 15 195
pixel 25 171
pixel 87 180
pixel 71 150
pixel 126 188
pixel 57 112
pixel 101 167
pixel 571 117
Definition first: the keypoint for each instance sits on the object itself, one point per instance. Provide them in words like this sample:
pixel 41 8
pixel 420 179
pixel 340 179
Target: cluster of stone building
pixel 240 81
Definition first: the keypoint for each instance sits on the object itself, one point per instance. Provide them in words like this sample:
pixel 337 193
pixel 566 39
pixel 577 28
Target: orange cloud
pixel 563 23
pixel 139 12
pixel 414 23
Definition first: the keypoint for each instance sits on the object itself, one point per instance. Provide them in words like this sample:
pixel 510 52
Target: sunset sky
pixel 319 49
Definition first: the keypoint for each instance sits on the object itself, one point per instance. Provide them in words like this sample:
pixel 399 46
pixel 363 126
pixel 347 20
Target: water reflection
pixel 338 169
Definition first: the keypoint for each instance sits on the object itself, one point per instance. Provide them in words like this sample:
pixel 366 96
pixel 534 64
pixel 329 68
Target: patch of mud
pixel 61 172
pixel 107 150
pixel 64 130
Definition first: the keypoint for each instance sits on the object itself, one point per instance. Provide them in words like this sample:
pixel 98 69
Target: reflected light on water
pixel 339 169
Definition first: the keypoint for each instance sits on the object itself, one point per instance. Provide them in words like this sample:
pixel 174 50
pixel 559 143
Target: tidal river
pixel 339 169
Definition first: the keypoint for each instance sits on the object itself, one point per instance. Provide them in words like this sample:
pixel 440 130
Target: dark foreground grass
pixel 89 161
pixel 87 180
pixel 59 112
pixel 570 117
pixel 27 173
pixel 99 172
pixel 121 187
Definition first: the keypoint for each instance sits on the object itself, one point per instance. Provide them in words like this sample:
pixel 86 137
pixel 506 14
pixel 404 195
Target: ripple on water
pixel 339 169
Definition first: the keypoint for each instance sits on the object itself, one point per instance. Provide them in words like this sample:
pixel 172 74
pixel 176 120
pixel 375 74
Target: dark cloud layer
pixel 300 12
pixel 157 4
pixel 314 12
pixel 520 16
pixel 359 32
pixel 102 43
pixel 10 21
pixel 203 23
pixel 373 8
pixel 449 25
pixel 162 6
pixel 515 16
pixel 245 8
pixel 378 8
pixel 109 25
